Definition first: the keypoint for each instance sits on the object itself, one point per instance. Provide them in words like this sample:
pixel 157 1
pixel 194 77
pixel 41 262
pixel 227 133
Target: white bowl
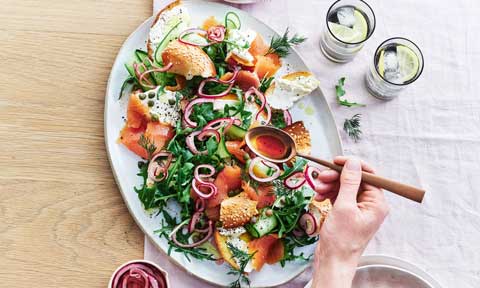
pixel 155 266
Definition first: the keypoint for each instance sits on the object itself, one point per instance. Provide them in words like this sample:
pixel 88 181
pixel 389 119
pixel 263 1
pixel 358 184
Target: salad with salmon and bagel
pixel 192 96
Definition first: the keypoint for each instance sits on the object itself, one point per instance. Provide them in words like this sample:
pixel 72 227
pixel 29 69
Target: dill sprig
pixel 281 45
pixel 340 92
pixel 146 144
pixel 242 259
pixel 352 127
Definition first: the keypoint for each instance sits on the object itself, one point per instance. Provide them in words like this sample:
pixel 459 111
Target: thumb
pixel 350 180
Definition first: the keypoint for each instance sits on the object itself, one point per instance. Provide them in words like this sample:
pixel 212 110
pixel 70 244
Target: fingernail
pixel 353 164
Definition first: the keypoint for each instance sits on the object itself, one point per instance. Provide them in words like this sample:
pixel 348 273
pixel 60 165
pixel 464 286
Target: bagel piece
pixel 237 211
pixel 301 136
pixel 188 60
pixel 164 22
pixel 320 211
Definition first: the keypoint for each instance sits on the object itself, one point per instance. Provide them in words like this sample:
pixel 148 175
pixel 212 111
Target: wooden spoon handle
pixel 404 190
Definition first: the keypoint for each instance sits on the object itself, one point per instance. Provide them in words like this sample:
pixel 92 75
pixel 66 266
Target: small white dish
pixel 392 272
pixel 155 266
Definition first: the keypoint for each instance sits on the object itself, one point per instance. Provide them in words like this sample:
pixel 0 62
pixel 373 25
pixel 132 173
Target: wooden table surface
pixel 63 222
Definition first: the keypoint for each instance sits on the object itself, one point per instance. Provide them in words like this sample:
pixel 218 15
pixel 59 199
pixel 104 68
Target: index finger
pixel 340 160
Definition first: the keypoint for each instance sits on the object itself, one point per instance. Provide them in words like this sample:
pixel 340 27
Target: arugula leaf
pixel 278 120
pixel 289 206
pixel 298 165
pixel 340 91
pixel 292 242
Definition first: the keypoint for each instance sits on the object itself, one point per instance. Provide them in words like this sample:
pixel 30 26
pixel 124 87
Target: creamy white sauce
pixel 166 21
pixel 287 92
pixel 242 39
pixel 233 232
pixel 163 107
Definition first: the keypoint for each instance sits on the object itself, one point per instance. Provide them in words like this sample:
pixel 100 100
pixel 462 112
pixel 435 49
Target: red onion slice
pixel 263 105
pixel 197 185
pixel 138 74
pixel 155 168
pixel 191 31
pixel 139 275
pixel 189 109
pixel 209 234
pixel 194 220
pixel 287 117
pixel 308 223
pixel 190 141
pixel 199 176
pixel 213 96
pixel 156 69
pixel 294 181
pixel 221 122
pixel 200 204
pixel 257 160
pixel 208 132
pixel 309 171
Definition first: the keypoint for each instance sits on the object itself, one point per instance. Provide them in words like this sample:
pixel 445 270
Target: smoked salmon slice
pixel 245 79
pixel 268 249
pixel 235 148
pixel 229 179
pixel 267 66
pixel 137 112
pixel 258 46
pixel 264 194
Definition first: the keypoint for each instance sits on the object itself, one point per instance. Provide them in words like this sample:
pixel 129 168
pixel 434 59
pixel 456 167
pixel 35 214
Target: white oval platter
pixel 313 110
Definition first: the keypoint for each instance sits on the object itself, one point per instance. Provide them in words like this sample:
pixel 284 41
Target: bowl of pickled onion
pixel 139 274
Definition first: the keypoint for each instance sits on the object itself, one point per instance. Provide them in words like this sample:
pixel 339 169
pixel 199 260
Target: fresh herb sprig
pixel 352 127
pixel 242 259
pixel 148 145
pixel 281 45
pixel 340 92
pixel 265 83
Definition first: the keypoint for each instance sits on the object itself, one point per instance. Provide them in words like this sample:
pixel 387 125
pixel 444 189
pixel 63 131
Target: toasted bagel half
pixel 188 60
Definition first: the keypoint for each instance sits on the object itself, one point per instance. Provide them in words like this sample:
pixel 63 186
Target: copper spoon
pixel 404 190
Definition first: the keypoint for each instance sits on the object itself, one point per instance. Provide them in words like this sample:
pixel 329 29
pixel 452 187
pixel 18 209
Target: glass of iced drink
pixel 349 25
pixel 397 63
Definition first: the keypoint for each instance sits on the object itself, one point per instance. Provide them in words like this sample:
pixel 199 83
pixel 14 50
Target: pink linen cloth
pixel 428 136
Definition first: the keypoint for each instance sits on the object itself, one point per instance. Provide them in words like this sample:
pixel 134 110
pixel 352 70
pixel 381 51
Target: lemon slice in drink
pixel 407 62
pixel 381 63
pixel 357 33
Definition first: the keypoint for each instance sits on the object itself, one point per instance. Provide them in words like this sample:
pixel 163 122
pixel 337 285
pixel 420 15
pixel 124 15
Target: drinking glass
pixel 349 23
pixel 397 63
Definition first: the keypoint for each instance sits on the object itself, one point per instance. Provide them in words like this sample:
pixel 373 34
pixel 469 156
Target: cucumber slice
pixel 127 86
pixel 141 56
pixel 222 150
pixel 263 226
pixel 236 133
pixel 232 21
pixel 169 36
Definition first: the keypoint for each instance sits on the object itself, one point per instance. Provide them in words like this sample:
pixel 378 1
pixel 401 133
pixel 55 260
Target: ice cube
pixel 390 61
pixel 392 67
pixel 346 16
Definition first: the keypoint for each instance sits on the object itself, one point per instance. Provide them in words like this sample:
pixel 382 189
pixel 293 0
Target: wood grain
pixel 63 222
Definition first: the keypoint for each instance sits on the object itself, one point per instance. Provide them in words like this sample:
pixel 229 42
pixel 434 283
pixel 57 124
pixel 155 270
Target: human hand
pixel 358 211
